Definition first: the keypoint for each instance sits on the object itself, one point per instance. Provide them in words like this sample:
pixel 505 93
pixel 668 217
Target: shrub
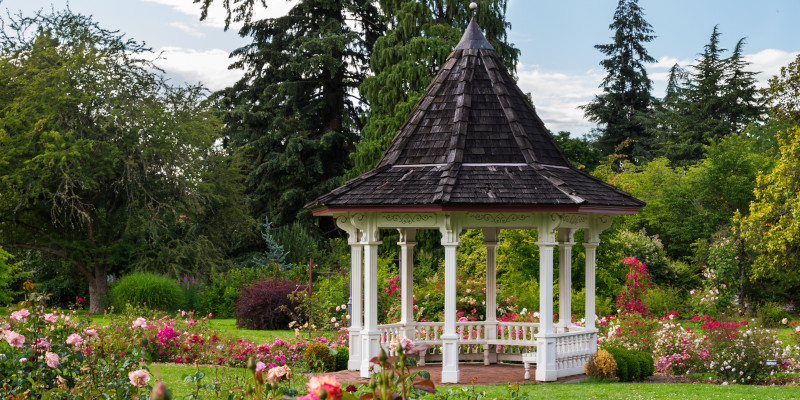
pixel 342 356
pixel 632 365
pixel 319 355
pixel 601 365
pixel 219 295
pixel 156 291
pixel 266 304
pixel 771 314
pixel 662 299
pixel 636 284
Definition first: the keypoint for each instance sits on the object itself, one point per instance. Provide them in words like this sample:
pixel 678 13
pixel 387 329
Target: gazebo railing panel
pixel 573 350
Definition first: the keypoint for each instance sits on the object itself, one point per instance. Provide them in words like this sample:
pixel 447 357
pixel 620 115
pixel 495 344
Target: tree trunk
pixel 98 289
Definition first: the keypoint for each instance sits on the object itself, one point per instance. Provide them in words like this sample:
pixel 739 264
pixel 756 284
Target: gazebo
pixel 473 154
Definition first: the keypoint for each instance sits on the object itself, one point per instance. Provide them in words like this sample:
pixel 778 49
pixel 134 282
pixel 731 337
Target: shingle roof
pixel 474 139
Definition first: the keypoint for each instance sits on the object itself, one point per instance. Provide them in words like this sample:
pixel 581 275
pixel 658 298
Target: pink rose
pixel 260 366
pixel 91 332
pixel 15 339
pixel 74 339
pixel 278 374
pixel 20 315
pixel 49 317
pixel 52 359
pixel 139 378
pixel 139 323
pixel 327 383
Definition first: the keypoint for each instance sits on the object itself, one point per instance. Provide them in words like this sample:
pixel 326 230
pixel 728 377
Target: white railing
pixel 573 350
pixel 513 340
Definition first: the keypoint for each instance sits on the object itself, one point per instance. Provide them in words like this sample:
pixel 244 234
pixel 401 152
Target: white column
pixel 407 244
pixel 450 240
pixel 565 244
pixel 356 318
pixel 490 240
pixel 545 338
pixel 591 264
pixel 370 335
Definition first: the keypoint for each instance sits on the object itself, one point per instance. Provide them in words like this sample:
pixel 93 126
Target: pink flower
pixel 139 378
pixel 260 366
pixel 327 383
pixel 74 339
pixel 80 299
pixel 52 359
pixel 20 315
pixel 15 339
pixel 139 323
pixel 333 319
pixel 49 317
pixel 278 374
pixel 91 332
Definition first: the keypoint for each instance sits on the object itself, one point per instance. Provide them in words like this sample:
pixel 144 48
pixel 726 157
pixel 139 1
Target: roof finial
pixel 473 6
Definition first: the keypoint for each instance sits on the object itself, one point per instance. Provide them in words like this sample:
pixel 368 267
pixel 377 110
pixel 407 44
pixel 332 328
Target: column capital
pixel 409 244
pixel 547 244
pixel 591 245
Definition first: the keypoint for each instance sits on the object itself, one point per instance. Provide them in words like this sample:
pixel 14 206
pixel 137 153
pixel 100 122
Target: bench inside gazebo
pixel 475 155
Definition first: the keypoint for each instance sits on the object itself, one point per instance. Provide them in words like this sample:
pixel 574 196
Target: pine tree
pixel 624 109
pixel 421 36
pixel 293 115
pixel 717 98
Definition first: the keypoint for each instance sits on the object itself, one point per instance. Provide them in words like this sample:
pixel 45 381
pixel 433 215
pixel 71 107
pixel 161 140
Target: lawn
pixel 173 374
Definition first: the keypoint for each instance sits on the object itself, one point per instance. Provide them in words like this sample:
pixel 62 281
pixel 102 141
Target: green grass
pixel 173 374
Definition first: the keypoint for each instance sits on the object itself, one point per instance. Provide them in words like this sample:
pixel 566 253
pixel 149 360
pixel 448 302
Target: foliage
pixel 601 365
pixel 783 93
pixel 404 60
pixel 662 299
pixel 342 357
pixel 581 152
pixel 266 304
pixel 320 358
pixel 722 279
pixel 158 292
pixel 88 132
pixel 717 98
pixel 219 294
pixel 772 314
pixel 772 229
pixel 624 108
pixel 11 275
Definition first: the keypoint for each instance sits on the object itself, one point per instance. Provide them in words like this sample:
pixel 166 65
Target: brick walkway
pixel 481 374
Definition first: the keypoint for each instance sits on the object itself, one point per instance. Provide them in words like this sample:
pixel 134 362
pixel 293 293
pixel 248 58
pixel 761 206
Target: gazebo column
pixel 407 243
pixel 450 241
pixel 591 264
pixel 370 336
pixel 565 243
pixel 490 240
pixel 356 318
pixel 545 337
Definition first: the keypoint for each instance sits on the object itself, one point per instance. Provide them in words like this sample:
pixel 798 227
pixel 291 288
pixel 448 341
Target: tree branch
pixel 55 252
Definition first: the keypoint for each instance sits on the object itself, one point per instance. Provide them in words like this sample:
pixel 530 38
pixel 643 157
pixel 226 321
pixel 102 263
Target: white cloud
pixel 209 67
pixel 769 63
pixel 217 14
pixel 188 29
pixel 557 96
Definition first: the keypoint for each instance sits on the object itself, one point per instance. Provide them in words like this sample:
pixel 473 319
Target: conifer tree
pixel 624 109
pixel 420 37
pixel 717 98
pixel 293 115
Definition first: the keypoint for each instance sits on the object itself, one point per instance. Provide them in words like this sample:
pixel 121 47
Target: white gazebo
pixel 474 155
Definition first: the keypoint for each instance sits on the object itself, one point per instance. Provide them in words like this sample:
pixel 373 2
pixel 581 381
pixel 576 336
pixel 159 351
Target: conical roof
pixel 474 139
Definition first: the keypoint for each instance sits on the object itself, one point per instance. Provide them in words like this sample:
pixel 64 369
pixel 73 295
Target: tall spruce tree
pixel 421 35
pixel 718 97
pixel 625 108
pixel 294 115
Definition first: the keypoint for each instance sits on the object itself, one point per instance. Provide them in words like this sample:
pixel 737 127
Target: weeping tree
pixel 97 151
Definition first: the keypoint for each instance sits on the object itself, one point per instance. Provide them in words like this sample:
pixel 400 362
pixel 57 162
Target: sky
pixel 558 63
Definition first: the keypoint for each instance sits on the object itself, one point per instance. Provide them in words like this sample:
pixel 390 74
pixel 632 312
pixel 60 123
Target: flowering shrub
pixel 720 279
pixel 52 353
pixel 266 304
pixel 636 283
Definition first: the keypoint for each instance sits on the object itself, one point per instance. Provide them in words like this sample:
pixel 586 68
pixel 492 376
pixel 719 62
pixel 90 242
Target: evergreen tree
pixel 717 98
pixel 420 37
pixel 293 115
pixel 624 109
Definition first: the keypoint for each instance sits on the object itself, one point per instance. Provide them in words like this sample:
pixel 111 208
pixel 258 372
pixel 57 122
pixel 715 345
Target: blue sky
pixel 558 64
